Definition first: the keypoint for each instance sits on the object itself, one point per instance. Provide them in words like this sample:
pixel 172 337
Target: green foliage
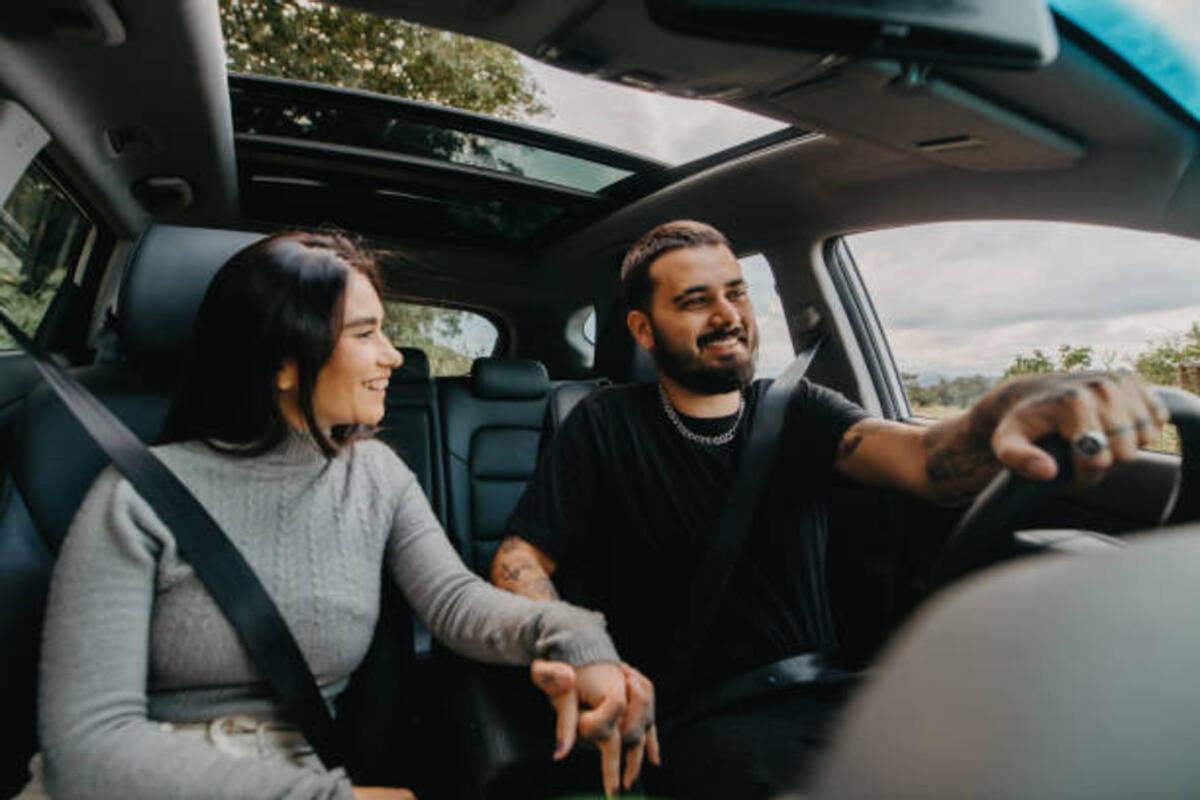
pixel 1070 359
pixel 314 41
pixel 437 331
pixel 1160 364
pixel 26 305
pixel 1033 364
pixel 957 392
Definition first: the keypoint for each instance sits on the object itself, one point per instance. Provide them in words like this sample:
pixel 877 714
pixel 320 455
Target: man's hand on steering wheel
pixel 1104 417
pixel 610 705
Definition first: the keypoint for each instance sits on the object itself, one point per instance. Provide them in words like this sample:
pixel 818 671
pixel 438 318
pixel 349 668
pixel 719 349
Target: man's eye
pixel 738 294
pixel 693 302
pixel 365 334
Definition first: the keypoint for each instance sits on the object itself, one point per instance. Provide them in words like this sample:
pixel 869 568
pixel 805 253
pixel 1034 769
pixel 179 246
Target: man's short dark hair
pixel 636 285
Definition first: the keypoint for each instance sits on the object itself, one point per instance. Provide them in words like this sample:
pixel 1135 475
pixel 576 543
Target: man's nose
pixel 725 313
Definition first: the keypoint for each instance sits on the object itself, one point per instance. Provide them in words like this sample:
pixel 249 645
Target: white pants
pixel 239 736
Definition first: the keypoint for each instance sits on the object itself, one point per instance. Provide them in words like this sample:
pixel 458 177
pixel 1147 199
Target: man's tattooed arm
pixel 958 452
pixel 945 462
pixel 522 569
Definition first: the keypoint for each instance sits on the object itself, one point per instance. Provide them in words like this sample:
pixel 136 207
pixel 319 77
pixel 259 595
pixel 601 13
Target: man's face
pixel 701 327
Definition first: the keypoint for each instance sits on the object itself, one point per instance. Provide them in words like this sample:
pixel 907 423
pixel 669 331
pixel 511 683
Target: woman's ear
pixel 287 377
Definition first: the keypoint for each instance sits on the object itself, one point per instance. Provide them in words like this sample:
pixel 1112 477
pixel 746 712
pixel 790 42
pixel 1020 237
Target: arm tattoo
pixel 958 452
pixel 952 455
pixel 515 569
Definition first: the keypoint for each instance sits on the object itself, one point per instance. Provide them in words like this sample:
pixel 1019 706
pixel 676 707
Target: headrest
pixel 415 367
pixel 165 279
pixel 618 357
pixel 509 379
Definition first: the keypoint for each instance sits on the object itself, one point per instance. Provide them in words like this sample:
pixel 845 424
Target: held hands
pixel 1105 418
pixel 617 705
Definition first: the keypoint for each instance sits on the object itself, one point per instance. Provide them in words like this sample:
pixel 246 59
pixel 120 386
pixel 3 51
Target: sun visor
pixel 925 116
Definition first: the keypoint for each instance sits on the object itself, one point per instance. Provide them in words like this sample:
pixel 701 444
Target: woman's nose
pixel 392 358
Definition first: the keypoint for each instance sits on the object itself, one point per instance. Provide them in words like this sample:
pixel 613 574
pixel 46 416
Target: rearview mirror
pixel 1012 34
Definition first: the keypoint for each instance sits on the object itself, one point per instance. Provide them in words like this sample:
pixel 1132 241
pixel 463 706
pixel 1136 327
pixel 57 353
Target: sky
pixel 670 129
pixel 1113 290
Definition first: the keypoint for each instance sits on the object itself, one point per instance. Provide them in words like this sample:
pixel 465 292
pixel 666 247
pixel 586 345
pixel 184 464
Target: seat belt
pixel 754 465
pixel 218 563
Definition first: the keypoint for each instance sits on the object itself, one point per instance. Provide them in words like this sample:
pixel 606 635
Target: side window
pixel 452 338
pixel 42 238
pixel 966 304
pixel 774 342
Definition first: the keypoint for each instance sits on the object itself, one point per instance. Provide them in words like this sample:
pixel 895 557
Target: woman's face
pixel 352 384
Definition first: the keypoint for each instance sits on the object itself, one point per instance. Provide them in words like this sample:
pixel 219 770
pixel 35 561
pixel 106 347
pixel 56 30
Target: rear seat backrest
pixel 412 425
pixel 492 427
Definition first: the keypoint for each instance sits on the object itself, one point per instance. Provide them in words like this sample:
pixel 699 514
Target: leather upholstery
pixel 492 427
pixel 164 282
pixel 564 397
pixel 412 427
pixel 509 379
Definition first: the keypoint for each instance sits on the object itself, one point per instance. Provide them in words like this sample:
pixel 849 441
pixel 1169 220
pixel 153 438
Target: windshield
pixel 1159 38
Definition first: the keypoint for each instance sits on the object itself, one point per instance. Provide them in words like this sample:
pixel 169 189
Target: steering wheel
pixel 985 533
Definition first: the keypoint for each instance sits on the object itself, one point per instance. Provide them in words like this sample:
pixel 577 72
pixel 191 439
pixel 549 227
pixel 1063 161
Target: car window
pixel 42 238
pixel 774 342
pixel 451 337
pixel 966 304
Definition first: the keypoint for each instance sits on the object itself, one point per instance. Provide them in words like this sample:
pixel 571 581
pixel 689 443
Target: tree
pixel 1034 364
pixel 1161 363
pixel 313 41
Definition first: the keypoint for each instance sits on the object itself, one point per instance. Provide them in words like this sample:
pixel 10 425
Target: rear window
pixel 451 337
pixel 42 237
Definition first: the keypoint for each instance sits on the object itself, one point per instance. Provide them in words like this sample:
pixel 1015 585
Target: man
pixel 623 506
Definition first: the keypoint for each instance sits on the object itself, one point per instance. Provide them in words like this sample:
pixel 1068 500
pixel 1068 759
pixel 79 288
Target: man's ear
pixel 640 329
pixel 287 377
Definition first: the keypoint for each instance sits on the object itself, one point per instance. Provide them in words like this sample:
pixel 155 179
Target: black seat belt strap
pixel 218 563
pixel 754 466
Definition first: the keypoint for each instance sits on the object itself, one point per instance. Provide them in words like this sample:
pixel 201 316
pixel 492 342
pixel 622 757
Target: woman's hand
pixel 382 793
pixel 618 714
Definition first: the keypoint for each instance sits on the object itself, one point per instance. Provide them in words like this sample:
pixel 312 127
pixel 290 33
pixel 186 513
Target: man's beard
pixel 687 368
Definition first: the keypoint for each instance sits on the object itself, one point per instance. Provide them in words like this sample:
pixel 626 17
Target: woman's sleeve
pixel 96 738
pixel 471 616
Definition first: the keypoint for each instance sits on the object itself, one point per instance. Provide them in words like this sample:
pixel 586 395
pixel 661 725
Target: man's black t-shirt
pixel 626 506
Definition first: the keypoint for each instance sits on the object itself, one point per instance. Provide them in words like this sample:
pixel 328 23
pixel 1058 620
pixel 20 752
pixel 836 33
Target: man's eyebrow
pixel 690 290
pixel 701 287
pixel 358 321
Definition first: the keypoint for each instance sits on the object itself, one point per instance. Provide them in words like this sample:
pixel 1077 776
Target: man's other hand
pixel 608 704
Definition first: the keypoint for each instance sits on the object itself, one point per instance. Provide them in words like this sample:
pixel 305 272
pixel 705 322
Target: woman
pixel 145 689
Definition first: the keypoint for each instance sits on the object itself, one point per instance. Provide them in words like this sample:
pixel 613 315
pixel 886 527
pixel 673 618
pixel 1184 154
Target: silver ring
pixel 1090 444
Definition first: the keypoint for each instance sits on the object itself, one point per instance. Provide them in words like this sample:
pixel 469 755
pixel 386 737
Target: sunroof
pixel 305 113
pixel 322 43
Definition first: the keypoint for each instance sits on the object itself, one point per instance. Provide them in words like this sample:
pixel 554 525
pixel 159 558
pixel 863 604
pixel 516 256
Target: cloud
pixel 960 297
pixel 670 129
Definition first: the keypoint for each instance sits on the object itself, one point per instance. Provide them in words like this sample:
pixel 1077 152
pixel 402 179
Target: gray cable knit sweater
pixel 132 638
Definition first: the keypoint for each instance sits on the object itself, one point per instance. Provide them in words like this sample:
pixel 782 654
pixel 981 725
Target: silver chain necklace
pixel 692 436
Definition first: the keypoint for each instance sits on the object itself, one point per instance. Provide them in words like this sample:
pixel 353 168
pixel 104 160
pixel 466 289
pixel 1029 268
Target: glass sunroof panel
pixel 1159 38
pixel 270 114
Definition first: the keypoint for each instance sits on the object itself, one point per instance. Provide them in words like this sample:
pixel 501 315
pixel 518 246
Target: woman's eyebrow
pixel 358 321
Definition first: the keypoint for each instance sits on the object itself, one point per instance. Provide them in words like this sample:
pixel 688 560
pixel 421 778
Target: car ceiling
pixel 1080 140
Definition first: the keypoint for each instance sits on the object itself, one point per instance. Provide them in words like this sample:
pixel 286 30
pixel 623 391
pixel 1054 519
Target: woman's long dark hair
pixel 275 300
